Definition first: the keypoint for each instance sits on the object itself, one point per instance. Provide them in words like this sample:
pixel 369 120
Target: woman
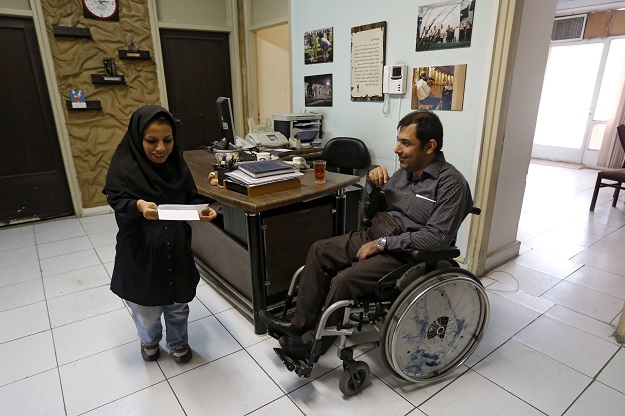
pixel 154 268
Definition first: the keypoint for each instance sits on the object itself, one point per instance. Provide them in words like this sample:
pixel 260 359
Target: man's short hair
pixel 428 124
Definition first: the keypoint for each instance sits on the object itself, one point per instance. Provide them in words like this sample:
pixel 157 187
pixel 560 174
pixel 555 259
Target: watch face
pixel 101 9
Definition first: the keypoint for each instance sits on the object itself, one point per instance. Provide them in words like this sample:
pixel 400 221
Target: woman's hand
pixel 379 176
pixel 207 214
pixel 368 250
pixel 148 209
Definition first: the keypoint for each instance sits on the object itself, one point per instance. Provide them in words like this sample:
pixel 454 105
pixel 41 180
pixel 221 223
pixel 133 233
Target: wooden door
pixel 197 72
pixel 33 183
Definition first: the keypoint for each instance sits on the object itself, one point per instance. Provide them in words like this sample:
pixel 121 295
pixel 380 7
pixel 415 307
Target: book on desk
pixel 239 181
pixel 266 168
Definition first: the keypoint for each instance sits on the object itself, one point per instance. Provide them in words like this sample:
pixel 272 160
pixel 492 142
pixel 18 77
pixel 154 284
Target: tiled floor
pixel 68 345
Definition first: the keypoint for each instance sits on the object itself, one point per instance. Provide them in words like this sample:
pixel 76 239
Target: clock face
pixel 100 9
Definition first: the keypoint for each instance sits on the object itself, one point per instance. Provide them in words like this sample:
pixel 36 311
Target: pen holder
pixel 220 172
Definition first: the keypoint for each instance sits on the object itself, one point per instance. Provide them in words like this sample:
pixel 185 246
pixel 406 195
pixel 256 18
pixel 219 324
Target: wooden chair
pixel 615 175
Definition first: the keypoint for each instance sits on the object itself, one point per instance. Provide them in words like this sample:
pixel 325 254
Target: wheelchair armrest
pixel 435 256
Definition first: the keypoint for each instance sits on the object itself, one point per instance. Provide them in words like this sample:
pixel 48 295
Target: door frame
pixel 235 61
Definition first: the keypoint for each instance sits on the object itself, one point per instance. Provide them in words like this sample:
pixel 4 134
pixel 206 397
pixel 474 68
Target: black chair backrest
pixel 621 136
pixel 346 154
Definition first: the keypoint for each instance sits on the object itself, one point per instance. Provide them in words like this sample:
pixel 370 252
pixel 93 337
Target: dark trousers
pixel 333 273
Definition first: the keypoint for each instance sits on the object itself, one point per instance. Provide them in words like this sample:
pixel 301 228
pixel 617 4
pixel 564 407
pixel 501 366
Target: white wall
pixel 532 51
pixel 365 120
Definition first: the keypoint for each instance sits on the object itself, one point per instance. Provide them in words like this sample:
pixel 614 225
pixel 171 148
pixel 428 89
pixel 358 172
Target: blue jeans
pixel 148 322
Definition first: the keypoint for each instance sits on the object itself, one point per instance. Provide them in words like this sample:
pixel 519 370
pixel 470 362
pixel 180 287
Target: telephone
pixel 267 139
pixel 394 79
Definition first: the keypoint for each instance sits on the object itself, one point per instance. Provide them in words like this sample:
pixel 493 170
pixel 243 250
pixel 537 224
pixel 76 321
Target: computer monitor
pixel 224 111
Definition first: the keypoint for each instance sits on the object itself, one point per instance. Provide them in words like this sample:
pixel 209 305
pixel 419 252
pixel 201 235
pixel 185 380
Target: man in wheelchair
pixel 426 201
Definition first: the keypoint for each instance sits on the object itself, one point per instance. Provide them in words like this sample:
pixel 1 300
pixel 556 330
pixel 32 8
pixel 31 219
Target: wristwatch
pixel 382 243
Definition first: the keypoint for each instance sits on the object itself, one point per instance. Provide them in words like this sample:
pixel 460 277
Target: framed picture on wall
pixel 318 90
pixel 445 25
pixel 438 87
pixel 318 46
pixel 367 61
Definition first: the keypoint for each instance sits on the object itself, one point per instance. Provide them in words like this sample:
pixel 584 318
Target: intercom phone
pixel 394 79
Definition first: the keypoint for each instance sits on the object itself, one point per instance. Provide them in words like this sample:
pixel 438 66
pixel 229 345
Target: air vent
pixel 568 27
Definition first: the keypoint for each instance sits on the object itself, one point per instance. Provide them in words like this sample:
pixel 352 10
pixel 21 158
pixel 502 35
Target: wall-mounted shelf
pixel 71 32
pixel 139 55
pixel 106 79
pixel 91 105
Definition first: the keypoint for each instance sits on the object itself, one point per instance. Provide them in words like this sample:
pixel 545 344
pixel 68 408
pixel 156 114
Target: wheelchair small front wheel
pixel 354 378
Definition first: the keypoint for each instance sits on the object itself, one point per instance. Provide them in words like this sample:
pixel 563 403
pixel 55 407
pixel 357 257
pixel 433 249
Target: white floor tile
pixel 584 300
pixel 58 234
pixel 106 218
pixel 12 231
pixel 197 310
pixel 102 378
pixel 547 263
pixel 106 253
pixel 555 245
pixel 533 377
pixel 82 305
pixel 58 248
pixel 58 224
pixel 599 280
pixel 281 407
pixel 592 326
pixel 618 234
pixel 240 327
pixel 466 397
pixel 528 280
pixel 602 260
pixel 609 245
pixel 18 359
pixel 520 297
pixel 21 294
pixel 508 317
pixel 323 397
pixel 612 374
pixel 69 262
pixel 105 223
pixel 154 400
pixel 94 335
pixel 21 239
pixel 36 395
pixel 209 341
pixel 571 346
pixel 205 390
pixel 489 343
pixel 106 238
pixel 598 400
pixel 213 300
pixel 19 273
pixel 23 321
pixel 18 256
pixel 109 267
pixel 76 281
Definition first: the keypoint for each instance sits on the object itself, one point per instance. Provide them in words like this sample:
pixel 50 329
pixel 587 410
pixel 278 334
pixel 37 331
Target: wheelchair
pixel 430 313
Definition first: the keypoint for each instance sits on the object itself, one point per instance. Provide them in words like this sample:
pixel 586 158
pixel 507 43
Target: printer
pixel 305 127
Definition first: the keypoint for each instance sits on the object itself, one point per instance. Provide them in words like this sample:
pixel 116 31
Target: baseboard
pixel 501 256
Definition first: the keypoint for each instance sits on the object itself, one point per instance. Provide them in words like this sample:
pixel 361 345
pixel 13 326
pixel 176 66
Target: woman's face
pixel 158 141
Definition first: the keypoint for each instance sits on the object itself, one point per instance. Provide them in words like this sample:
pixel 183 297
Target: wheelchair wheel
pixel 354 378
pixel 435 324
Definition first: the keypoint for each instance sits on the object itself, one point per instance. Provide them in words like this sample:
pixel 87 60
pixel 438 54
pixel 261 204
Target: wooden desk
pixel 251 257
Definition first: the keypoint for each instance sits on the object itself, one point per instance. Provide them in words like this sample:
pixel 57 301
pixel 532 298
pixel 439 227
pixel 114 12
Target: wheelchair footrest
pixel 303 368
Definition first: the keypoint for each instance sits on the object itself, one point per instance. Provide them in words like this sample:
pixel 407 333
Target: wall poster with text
pixel 445 25
pixel 367 61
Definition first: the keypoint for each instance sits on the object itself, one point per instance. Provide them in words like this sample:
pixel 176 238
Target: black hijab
pixel 132 173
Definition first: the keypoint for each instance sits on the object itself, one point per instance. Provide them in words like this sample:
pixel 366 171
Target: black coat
pixel 153 262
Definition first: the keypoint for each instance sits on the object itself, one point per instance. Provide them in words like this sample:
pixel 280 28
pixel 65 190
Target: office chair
pixel 350 156
pixel 617 175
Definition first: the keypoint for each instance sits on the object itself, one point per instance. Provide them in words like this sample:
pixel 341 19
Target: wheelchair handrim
pixel 399 314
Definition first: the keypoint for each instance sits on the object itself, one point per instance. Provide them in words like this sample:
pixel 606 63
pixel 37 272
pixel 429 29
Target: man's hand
pixel 148 209
pixel 208 214
pixel 367 250
pixel 379 176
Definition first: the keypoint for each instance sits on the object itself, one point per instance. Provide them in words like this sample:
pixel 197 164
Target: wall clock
pixel 101 9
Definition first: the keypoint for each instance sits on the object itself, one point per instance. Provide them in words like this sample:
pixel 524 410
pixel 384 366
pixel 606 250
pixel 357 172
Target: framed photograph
pixel 318 46
pixel 445 25
pixel 438 87
pixel 318 90
pixel 367 62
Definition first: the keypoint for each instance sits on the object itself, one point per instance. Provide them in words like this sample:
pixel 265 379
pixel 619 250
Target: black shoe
pixel 279 326
pixel 150 352
pixel 182 354
pixel 296 347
